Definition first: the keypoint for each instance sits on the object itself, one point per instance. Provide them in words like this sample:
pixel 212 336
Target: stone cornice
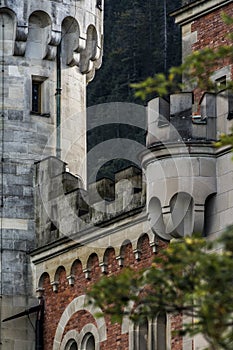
pixel 192 11
pixel 82 238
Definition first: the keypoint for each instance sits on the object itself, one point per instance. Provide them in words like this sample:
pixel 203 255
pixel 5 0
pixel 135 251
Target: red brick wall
pixel 212 32
pixel 176 325
pixel 56 302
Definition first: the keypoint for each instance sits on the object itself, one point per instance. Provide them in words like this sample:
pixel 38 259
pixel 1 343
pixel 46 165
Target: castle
pixel 59 235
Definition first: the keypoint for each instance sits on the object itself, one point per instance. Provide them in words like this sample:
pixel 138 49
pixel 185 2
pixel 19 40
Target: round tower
pixel 180 164
pixel 49 51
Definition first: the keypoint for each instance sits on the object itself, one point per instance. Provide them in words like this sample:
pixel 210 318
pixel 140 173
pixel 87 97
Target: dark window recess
pixel 36 97
pixel 221 82
pixel 99 4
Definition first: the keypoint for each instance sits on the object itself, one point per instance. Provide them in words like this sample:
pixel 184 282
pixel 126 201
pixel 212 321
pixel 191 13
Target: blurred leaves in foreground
pixel 193 277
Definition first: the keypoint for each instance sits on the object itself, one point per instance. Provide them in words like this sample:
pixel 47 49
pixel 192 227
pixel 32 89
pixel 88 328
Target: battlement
pixel 61 199
pixel 35 29
pixel 174 121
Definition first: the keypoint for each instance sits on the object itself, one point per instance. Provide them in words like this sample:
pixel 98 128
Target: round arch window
pixel 88 342
pixel 71 345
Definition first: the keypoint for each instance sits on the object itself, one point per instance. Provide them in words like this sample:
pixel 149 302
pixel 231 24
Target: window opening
pixel 36 96
pixel 71 345
pixel 88 342
pixel 143 335
pixel 39 96
pixel 162 331
pixel 221 82
pixel 74 347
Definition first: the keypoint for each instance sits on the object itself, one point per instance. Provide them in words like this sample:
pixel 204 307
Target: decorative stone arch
pixel 56 280
pixel 73 275
pixel 39 34
pixel 89 266
pixel 91 51
pixel 70 41
pixel 121 257
pixel 69 338
pixel 139 248
pixel 90 259
pixel 155 218
pixel 42 279
pixel 105 263
pixel 87 331
pixel 60 269
pixel 7 32
pixel 72 345
pixel 182 214
pixel 78 304
pixel 107 252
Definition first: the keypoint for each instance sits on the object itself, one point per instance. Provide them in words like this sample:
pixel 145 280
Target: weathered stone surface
pixel 15 115
pixel 32 32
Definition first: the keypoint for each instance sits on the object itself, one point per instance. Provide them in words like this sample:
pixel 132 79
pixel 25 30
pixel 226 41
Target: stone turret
pixel 49 52
pixel 180 163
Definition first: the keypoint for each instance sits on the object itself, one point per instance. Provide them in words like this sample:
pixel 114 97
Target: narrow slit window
pixel 36 96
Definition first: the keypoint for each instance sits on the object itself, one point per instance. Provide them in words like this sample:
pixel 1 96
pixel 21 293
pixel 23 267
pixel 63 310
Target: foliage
pixel 225 140
pixel 196 69
pixel 192 277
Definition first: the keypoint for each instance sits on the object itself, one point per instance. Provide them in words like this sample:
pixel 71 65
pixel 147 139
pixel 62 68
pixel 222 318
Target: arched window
pixel 161 331
pixel 150 334
pixel 88 342
pixel 71 345
pixel 74 346
pixel 143 335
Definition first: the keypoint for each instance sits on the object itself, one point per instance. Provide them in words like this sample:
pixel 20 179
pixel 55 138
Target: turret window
pixel 39 99
pixel 36 97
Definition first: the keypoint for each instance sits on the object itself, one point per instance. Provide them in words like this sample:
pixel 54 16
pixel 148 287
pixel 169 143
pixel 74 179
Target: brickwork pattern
pixel 212 32
pixel 57 302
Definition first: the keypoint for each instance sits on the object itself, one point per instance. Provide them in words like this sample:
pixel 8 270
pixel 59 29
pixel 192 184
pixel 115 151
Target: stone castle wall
pixel 56 45
pixel 183 188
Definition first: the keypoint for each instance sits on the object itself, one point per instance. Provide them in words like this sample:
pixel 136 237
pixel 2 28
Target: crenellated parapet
pixel 180 176
pixel 180 163
pixel 43 25
pixel 173 120
pixel 61 199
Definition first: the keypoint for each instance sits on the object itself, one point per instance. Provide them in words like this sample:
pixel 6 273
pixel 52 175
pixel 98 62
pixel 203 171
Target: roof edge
pixel 195 9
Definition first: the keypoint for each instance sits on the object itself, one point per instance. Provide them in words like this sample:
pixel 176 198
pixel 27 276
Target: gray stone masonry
pixel 181 164
pixel 180 169
pixel 60 198
pixel 30 33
